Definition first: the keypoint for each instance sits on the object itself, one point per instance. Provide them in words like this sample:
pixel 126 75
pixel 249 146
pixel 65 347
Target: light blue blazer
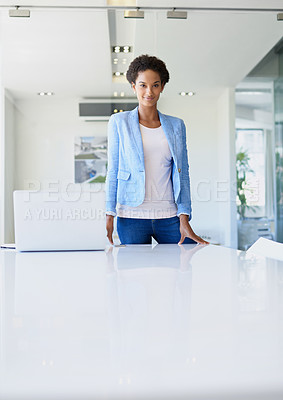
pixel 125 181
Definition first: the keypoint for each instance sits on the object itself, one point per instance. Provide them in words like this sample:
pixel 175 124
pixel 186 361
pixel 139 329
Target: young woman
pixel 148 184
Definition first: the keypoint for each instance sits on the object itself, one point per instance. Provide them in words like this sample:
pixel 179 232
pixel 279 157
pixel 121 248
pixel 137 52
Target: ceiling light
pixel 122 94
pixel 19 13
pixel 115 111
pixel 280 17
pixel 124 61
pixel 115 61
pixel 176 14
pixel 121 49
pixel 120 74
pixel 187 94
pixel 45 94
pixel 252 92
pixel 115 94
pixel 134 14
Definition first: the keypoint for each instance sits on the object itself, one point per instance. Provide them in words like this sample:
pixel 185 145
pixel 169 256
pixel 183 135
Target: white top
pixel 159 200
pixel 141 322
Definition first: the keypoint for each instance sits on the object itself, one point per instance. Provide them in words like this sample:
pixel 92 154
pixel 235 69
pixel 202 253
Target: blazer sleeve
pixel 112 168
pixel 184 204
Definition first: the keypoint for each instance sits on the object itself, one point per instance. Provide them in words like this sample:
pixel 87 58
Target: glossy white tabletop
pixel 141 322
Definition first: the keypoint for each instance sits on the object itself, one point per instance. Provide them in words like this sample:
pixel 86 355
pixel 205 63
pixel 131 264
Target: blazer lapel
pixel 135 128
pixel 169 133
pixel 136 132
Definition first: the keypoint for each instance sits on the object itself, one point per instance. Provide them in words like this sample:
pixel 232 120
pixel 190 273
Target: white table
pixel 141 322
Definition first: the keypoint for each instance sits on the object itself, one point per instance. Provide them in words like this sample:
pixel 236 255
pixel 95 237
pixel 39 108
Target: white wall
pixel 37 148
pixel 227 167
pixel 2 154
pixel 44 146
pixel 45 132
pixel 9 168
pixel 210 123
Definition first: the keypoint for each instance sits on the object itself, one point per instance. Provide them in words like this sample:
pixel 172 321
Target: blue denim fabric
pixel 140 231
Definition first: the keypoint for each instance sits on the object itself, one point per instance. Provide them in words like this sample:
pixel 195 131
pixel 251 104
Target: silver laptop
pixel 46 221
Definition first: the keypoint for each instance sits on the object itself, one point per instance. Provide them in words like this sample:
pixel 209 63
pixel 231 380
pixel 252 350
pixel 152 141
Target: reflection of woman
pixel 148 175
pixel 140 331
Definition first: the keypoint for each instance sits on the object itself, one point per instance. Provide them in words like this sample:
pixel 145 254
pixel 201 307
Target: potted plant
pixel 247 227
pixel 242 168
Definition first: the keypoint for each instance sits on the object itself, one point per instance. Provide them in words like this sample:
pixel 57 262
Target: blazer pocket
pixel 124 175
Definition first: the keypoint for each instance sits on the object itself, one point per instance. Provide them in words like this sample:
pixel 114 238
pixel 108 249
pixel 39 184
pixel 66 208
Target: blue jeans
pixel 140 231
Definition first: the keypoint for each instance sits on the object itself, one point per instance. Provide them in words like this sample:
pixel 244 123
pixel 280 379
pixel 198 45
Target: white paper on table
pixel 267 248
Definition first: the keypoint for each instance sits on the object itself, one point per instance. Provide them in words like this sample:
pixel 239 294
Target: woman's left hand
pixel 187 231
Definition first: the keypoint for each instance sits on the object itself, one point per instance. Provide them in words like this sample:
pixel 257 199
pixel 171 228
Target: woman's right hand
pixel 110 227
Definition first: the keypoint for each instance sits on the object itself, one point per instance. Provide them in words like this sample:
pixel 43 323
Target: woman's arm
pixel 110 227
pixel 184 198
pixel 111 178
pixel 187 231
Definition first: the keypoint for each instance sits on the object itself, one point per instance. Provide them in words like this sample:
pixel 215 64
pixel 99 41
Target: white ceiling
pixel 68 51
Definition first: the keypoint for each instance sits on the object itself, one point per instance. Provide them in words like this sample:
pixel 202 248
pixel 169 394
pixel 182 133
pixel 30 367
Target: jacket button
pixel 179 169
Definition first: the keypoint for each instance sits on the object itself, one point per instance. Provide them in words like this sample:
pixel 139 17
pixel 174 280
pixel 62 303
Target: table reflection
pixel 150 312
pixel 140 321
pixel 93 313
pixel 259 283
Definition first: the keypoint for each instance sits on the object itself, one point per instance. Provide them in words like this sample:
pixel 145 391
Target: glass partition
pixel 278 108
pixel 259 148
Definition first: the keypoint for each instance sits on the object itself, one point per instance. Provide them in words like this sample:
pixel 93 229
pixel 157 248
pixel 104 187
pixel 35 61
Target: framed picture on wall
pixel 90 159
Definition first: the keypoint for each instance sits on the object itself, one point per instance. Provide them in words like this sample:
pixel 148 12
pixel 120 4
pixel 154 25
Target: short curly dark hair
pixel 144 62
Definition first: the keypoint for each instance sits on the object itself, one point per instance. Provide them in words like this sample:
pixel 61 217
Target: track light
pixel 121 49
pixel 45 94
pixel 19 13
pixel 176 14
pixel 118 73
pixel 187 94
pixel 134 14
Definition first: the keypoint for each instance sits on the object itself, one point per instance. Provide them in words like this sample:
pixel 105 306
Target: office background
pixel 220 55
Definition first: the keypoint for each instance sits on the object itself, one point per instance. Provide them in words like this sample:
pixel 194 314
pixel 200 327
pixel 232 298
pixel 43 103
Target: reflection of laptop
pixel 47 221
pixel 58 275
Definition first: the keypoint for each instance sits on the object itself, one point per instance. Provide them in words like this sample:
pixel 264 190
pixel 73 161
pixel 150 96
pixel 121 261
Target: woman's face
pixel 148 87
